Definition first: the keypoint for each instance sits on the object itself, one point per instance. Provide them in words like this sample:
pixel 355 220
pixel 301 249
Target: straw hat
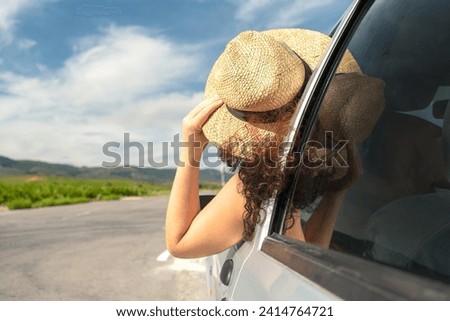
pixel 261 73
pixel 352 106
pixel 350 110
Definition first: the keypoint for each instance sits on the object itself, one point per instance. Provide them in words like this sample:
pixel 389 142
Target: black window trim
pixel 347 276
pixel 351 277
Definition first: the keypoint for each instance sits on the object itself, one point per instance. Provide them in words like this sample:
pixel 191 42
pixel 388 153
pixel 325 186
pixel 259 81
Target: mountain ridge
pixel 11 167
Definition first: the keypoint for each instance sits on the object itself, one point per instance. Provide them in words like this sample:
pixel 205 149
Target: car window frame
pixel 349 277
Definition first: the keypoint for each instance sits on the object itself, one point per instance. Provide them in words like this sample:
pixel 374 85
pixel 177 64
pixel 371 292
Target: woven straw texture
pixel 353 104
pixel 259 71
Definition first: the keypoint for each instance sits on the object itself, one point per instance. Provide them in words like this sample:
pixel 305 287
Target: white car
pixel 391 240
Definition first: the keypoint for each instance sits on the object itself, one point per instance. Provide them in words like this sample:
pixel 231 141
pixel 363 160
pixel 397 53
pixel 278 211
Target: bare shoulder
pixel 230 197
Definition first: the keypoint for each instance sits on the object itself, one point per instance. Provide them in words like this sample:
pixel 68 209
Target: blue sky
pixel 75 75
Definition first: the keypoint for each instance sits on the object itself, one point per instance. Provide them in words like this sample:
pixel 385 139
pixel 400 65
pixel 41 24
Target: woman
pixel 251 94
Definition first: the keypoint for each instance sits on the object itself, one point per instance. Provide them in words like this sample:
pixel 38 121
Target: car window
pixel 374 179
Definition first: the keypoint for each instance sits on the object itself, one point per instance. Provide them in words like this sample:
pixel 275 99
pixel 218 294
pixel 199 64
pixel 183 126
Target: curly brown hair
pixel 260 170
pixel 262 174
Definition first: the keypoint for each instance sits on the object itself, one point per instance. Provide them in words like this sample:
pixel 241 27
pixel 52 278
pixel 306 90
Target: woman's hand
pixel 194 141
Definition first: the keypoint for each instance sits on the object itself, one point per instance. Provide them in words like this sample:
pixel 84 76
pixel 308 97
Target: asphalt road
pixel 95 251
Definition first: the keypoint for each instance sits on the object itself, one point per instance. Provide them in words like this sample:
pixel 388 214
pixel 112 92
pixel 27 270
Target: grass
pixel 38 191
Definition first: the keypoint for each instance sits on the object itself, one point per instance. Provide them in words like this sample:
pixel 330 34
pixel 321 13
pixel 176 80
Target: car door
pixel 389 239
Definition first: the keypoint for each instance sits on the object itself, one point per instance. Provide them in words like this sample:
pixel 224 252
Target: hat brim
pixel 224 128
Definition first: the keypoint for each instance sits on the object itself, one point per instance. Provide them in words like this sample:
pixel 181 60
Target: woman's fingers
pixel 203 115
pixel 200 114
pixel 205 104
pixel 192 127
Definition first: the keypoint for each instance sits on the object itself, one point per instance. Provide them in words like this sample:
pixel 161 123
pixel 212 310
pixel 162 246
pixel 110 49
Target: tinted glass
pixel 375 180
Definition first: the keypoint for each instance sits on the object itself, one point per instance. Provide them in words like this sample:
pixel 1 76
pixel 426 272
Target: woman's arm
pixel 320 226
pixel 296 232
pixel 190 233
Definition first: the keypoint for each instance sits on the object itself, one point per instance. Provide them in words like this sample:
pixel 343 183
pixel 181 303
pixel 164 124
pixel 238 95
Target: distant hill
pixel 9 167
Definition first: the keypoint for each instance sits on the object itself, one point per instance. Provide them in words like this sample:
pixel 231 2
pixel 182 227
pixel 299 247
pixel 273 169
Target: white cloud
pixel 123 64
pixel 9 9
pixel 297 12
pixel 278 13
pixel 120 80
pixel 247 10
pixel 25 44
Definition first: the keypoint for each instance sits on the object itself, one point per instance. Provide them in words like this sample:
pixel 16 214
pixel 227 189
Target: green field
pixel 39 191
